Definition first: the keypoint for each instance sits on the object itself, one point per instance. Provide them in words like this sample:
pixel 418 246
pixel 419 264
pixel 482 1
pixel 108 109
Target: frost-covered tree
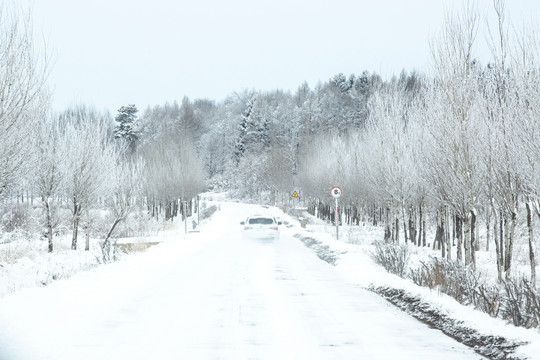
pixel 123 193
pixel 173 173
pixel 511 93
pixel 393 172
pixel 23 95
pixel 528 85
pixel 88 157
pixel 48 176
pixel 256 137
pixel 215 150
pixel 243 128
pixel 503 104
pixel 127 127
pixel 453 149
pixel 188 121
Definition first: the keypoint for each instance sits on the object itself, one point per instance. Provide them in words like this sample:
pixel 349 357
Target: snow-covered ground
pixel 213 295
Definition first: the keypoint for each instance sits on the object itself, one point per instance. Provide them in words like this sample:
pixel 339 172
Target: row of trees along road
pixel 450 151
pixel 462 145
pixel 87 163
pixel 81 160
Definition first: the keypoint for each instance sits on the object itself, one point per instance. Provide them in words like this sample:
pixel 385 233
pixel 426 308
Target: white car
pixel 261 227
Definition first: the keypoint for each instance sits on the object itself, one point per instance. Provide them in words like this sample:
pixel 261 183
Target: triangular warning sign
pixel 295 194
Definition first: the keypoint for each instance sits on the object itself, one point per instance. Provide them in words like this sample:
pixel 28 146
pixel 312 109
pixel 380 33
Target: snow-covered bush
pixel 13 217
pixel 16 245
pixel 394 258
pixel 521 303
pixel 449 277
pixel 516 301
pixel 488 299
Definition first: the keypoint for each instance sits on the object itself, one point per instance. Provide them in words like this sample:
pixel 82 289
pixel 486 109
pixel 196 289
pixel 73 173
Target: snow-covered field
pixel 213 294
pixel 25 262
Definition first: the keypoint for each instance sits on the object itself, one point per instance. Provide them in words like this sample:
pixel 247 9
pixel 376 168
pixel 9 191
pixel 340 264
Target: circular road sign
pixel 335 192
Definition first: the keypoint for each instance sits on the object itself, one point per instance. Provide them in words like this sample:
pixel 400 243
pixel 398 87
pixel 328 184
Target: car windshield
pixel 261 221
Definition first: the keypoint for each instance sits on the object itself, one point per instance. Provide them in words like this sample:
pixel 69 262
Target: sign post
pixel 297 197
pixel 336 193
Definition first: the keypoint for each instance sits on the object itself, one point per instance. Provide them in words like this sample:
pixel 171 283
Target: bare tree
pixel 173 172
pixel 526 123
pixel 23 95
pixel 390 157
pixel 453 156
pixel 501 102
pixel 124 192
pixel 47 172
pixel 88 159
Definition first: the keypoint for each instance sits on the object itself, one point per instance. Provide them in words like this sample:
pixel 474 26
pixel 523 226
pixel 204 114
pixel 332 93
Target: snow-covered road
pixel 214 295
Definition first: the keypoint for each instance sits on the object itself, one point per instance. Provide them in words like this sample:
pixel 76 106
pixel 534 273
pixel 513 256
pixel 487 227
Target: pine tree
pixel 127 128
pixel 240 145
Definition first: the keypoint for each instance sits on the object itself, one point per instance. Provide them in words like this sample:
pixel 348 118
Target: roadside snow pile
pixel 492 346
pixel 323 251
pixel 489 337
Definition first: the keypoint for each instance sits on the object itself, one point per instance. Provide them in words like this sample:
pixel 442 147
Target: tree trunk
pixel 439 234
pixel 467 239
pixel 448 236
pixel 393 231
pixel 405 231
pixel 506 246
pixel 49 225
pixel 459 236
pixel 168 211
pixel 396 240
pixel 75 232
pixel 444 234
pixel 424 233
pixel 488 229
pixel 498 247
pixel 531 244
pixel 420 226
pixel 106 244
pixel 509 246
pixel 76 220
pixel 412 226
pixel 87 235
pixel 387 227
pixel 476 231
pixel 474 238
pixel 454 229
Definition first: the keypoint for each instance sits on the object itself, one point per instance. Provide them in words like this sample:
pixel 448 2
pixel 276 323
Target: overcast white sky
pixel 109 53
